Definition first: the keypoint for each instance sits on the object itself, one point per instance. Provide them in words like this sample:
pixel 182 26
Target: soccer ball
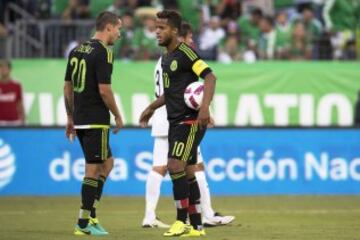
pixel 194 94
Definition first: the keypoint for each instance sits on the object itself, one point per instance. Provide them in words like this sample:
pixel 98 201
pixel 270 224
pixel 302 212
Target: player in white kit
pixel 159 131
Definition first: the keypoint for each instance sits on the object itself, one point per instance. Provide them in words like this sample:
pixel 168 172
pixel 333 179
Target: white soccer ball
pixel 193 95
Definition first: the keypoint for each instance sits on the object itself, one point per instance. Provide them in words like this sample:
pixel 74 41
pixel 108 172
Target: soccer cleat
pixel 177 229
pixel 96 224
pixel 88 230
pixel 217 220
pixel 157 223
pixel 193 233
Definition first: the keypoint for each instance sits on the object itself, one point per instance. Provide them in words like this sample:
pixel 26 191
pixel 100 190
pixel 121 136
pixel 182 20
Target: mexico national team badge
pixel 173 65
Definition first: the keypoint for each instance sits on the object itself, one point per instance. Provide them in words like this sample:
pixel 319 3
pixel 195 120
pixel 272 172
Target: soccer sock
pixel 101 182
pixel 194 204
pixel 181 195
pixel 153 184
pixel 88 192
pixel 204 194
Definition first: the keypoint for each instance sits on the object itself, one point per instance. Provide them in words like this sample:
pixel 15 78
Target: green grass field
pixel 257 218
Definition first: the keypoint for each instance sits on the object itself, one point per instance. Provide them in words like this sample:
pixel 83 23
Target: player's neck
pixel 5 79
pixel 172 46
pixel 101 37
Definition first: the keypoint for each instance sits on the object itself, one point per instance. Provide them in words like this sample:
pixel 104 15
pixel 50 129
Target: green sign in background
pixel 235 81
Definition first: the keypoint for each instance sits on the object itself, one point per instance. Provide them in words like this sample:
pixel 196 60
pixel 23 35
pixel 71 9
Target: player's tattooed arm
pixel 69 105
pixel 69 98
pixel 149 111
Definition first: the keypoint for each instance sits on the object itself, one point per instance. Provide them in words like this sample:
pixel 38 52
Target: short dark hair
pixel 257 12
pixel 173 17
pixel 106 18
pixel 269 19
pixel 185 29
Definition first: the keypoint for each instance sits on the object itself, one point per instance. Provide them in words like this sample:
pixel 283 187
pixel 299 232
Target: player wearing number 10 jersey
pixel 88 100
pixel 182 66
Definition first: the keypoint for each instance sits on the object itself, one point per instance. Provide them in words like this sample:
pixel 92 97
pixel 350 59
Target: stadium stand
pixel 300 30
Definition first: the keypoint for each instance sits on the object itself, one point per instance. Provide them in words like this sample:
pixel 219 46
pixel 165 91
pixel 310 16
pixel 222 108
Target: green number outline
pixel 178 149
pixel 79 84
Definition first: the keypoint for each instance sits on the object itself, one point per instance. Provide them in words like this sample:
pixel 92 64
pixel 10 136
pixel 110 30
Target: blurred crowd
pixel 224 30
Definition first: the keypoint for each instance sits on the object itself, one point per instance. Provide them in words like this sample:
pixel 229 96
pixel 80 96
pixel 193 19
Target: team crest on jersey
pixel 173 65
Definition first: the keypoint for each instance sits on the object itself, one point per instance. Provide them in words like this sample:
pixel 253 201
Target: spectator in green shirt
pixel 123 47
pixel 144 42
pixel 301 47
pixel 312 25
pixel 267 40
pixel 341 17
pixel 283 35
pixel 249 28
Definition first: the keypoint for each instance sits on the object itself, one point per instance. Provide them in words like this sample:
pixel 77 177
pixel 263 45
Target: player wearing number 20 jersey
pixel 89 100
pixel 90 64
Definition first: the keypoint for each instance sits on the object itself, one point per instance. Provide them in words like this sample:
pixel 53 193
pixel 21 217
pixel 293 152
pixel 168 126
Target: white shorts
pixel 161 149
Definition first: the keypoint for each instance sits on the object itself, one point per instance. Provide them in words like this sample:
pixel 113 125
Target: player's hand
pixel 70 130
pixel 145 116
pixel 118 124
pixel 211 123
pixel 203 116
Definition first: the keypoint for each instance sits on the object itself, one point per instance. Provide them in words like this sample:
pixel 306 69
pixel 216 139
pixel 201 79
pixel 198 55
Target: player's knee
pixel 175 166
pixel 92 170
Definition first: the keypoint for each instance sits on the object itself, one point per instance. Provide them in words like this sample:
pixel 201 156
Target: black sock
pixel 88 192
pixel 194 204
pixel 181 194
pixel 101 182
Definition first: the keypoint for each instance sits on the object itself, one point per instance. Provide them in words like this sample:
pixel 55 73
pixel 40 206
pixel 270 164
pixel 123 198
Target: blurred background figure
pixel 116 7
pixel 342 18
pixel 11 98
pixel 144 42
pixel 267 38
pixel 210 38
pixel 230 47
pixel 77 9
pixel 283 35
pixel 313 27
pixel 123 48
pixel 301 47
pixel 249 28
pixel 331 27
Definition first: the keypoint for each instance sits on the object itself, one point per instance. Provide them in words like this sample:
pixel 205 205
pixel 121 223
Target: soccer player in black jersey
pixel 181 66
pixel 88 100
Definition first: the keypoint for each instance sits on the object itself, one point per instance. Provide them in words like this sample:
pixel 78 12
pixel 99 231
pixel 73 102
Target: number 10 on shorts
pixel 178 149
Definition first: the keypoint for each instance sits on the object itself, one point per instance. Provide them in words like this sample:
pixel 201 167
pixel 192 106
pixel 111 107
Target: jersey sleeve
pixel 104 65
pixel 194 62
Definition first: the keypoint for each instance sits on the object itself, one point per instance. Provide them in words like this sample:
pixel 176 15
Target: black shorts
pixel 95 144
pixel 184 140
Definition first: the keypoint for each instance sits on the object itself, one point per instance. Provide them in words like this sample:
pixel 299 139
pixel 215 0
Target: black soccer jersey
pixel 88 65
pixel 180 68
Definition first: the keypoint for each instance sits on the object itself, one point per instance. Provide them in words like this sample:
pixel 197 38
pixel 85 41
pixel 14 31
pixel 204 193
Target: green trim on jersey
pixel 90 182
pixel 188 51
pixel 190 142
pixel 109 52
pixel 104 143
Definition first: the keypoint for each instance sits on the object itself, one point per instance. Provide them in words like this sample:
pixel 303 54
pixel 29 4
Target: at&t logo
pixel 7 164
